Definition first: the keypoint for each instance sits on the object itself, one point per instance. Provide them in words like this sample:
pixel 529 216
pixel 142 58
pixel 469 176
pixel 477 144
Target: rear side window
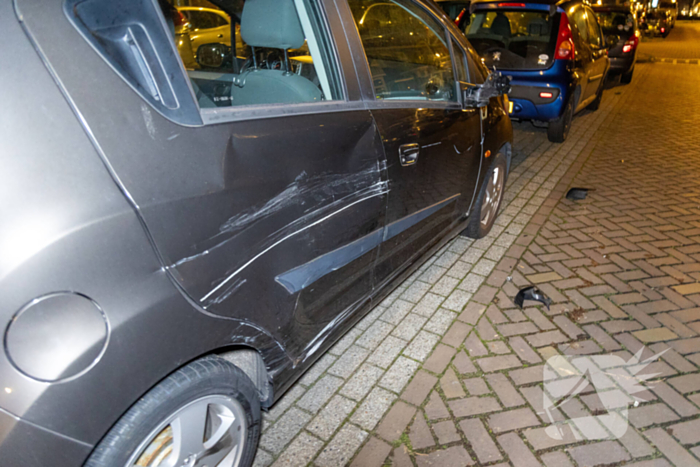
pixel 406 50
pixel 253 52
pixel 514 39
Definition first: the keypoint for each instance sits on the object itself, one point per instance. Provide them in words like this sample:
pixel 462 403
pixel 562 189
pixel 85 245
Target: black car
pixel 178 246
pixel 619 21
pixel 658 23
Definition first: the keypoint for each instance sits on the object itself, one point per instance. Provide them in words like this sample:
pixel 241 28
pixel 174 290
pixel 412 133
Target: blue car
pixel 554 52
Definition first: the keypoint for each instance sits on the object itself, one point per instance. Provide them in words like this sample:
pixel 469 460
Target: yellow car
pixel 206 26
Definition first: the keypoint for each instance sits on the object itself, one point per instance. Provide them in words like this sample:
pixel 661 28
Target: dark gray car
pixel 178 246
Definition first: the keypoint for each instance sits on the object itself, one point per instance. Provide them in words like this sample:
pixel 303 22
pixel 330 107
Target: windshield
pixel 514 40
pixel 615 21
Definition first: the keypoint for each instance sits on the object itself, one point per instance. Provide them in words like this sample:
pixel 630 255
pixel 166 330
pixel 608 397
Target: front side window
pixel 594 35
pixel 514 39
pixel 240 53
pixel 580 16
pixel 406 50
pixel 460 62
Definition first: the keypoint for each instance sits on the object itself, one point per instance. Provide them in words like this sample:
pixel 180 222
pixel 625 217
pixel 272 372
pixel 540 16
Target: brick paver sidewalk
pixel 447 371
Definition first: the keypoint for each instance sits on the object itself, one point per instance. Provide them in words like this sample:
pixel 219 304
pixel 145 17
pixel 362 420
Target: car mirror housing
pixel 213 55
pixel 495 85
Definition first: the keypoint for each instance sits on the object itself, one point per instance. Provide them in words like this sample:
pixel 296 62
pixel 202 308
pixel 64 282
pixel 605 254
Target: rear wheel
pixel 558 129
pixel 205 414
pixel 626 78
pixel 489 200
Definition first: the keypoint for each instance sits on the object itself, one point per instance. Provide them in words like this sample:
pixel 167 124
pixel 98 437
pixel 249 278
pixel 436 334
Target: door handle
pixel 408 153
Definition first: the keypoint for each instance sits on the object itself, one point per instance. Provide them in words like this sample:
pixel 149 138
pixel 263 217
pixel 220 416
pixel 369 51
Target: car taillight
pixel 565 41
pixel 546 95
pixel 630 44
pixel 663 30
pixel 511 5
pixel 459 17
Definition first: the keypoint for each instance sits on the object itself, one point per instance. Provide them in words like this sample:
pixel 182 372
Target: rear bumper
pixel 528 105
pixel 27 445
pixel 527 86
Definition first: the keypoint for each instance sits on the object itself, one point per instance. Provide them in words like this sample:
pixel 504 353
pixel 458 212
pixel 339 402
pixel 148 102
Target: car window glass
pixel 253 53
pixel 581 24
pixel 199 18
pixel 406 50
pixel 514 39
pixel 477 70
pixel 460 61
pixel 594 36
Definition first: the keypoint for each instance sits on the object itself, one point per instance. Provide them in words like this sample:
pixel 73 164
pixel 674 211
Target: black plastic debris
pixel 532 293
pixel 577 193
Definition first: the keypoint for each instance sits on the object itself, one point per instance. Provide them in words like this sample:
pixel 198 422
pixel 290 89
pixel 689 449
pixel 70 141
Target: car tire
pixel 487 204
pixel 209 406
pixel 558 129
pixel 626 78
pixel 595 105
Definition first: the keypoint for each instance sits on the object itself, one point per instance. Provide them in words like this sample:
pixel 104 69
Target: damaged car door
pixel 266 203
pixel 432 142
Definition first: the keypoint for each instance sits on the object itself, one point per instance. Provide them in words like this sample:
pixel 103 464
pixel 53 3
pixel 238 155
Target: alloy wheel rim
pixel 208 432
pixel 492 196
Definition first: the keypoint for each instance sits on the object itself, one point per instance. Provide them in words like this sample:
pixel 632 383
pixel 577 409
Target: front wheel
pixel 558 129
pixel 205 414
pixel 489 200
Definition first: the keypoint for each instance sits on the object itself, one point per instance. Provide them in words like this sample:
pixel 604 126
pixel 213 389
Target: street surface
pixel 447 371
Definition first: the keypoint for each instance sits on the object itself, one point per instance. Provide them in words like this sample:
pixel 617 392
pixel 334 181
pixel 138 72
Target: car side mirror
pixel 213 55
pixel 611 41
pixel 495 85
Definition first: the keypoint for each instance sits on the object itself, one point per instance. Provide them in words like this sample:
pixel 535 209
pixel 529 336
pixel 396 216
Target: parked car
pixel 658 23
pixel 178 246
pixel 618 21
pixel 207 26
pixel 670 7
pixel 554 51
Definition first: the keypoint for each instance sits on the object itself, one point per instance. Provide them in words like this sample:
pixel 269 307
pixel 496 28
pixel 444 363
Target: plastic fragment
pixel 532 293
pixel 577 193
